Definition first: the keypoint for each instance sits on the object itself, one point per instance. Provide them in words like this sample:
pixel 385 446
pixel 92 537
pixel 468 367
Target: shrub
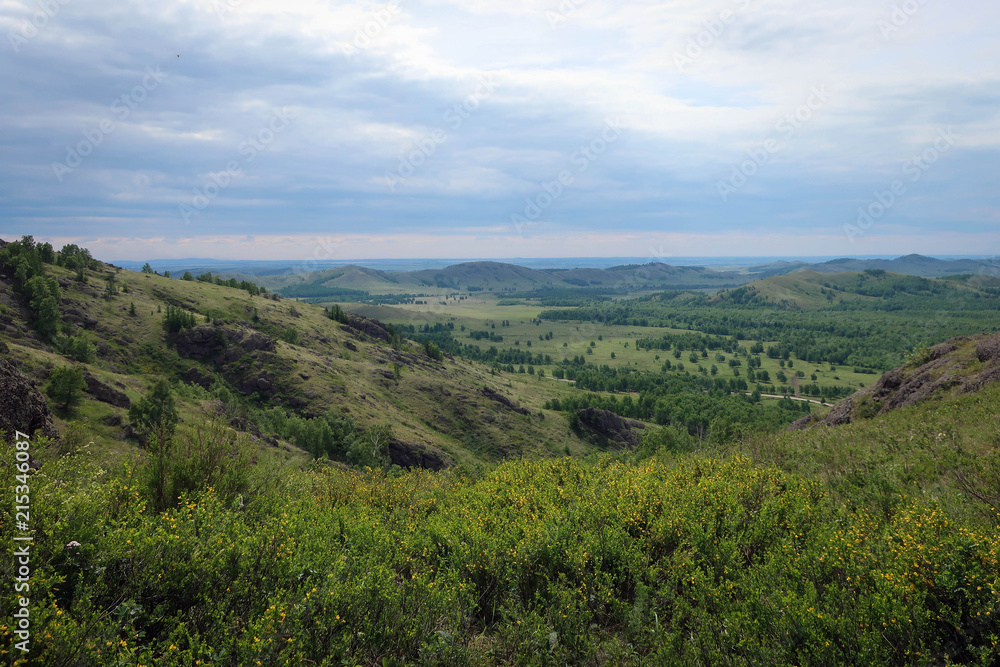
pixel 78 348
pixel 433 351
pixel 66 386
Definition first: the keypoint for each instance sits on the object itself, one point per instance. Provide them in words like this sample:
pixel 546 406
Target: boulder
pixel 22 406
pixel 502 400
pixel 988 349
pixel 105 393
pixel 408 455
pixel 609 428
pixel 367 326
pixel 195 376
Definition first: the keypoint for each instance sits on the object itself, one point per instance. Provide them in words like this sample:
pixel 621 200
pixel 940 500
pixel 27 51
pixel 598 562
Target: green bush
pixel 534 562
pixel 65 386
pixel 289 335
pixel 78 348
pixel 433 351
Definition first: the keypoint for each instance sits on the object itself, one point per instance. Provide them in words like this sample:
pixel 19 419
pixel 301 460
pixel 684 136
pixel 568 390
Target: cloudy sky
pixel 517 128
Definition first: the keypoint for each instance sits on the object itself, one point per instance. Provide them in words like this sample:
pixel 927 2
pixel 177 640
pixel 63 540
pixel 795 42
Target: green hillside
pixel 813 290
pixel 261 356
pixel 220 476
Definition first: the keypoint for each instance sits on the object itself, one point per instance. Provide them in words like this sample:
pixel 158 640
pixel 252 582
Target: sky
pixel 304 129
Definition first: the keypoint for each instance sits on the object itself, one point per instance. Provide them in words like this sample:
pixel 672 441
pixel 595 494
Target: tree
pixel 131 308
pixel 78 348
pixel 48 316
pixel 46 253
pixel 111 288
pixel 187 276
pixel 146 268
pixel 43 296
pixel 155 414
pixel 65 385
pixel 433 351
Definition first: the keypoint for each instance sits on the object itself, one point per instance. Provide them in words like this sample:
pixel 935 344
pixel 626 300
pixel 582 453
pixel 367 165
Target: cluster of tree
pixel 253 289
pixel 826 393
pixel 176 319
pixel 336 313
pixel 689 341
pixel 41 292
pixel 716 414
pixel 487 335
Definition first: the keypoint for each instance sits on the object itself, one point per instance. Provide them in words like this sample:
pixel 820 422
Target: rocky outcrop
pixel 502 400
pixel 79 318
pixel 196 376
pixel 946 367
pixel 262 383
pixel 105 393
pixel 408 455
pixel 206 342
pixel 367 326
pixel 609 429
pixel 22 406
pixel 988 349
pixel 225 345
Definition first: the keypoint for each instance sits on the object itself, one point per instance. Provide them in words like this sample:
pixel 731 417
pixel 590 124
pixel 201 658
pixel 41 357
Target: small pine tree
pixel 131 308
pixel 155 414
pixel 65 386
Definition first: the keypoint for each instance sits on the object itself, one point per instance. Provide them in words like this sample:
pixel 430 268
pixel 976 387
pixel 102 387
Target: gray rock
pixel 22 406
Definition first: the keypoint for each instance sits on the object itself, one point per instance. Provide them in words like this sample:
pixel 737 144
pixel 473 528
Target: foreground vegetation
pixel 534 562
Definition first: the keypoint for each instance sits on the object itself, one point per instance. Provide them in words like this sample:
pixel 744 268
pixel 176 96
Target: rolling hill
pixel 808 289
pixel 242 357
pixel 498 277
pixel 911 265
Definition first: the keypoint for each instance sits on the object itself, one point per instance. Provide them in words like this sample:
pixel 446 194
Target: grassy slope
pixel 945 448
pixel 436 405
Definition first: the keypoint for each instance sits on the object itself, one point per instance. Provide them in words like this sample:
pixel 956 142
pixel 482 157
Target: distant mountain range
pixel 498 277
pixel 501 277
pixel 911 265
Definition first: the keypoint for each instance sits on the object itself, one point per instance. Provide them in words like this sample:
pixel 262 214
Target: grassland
pixel 570 339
